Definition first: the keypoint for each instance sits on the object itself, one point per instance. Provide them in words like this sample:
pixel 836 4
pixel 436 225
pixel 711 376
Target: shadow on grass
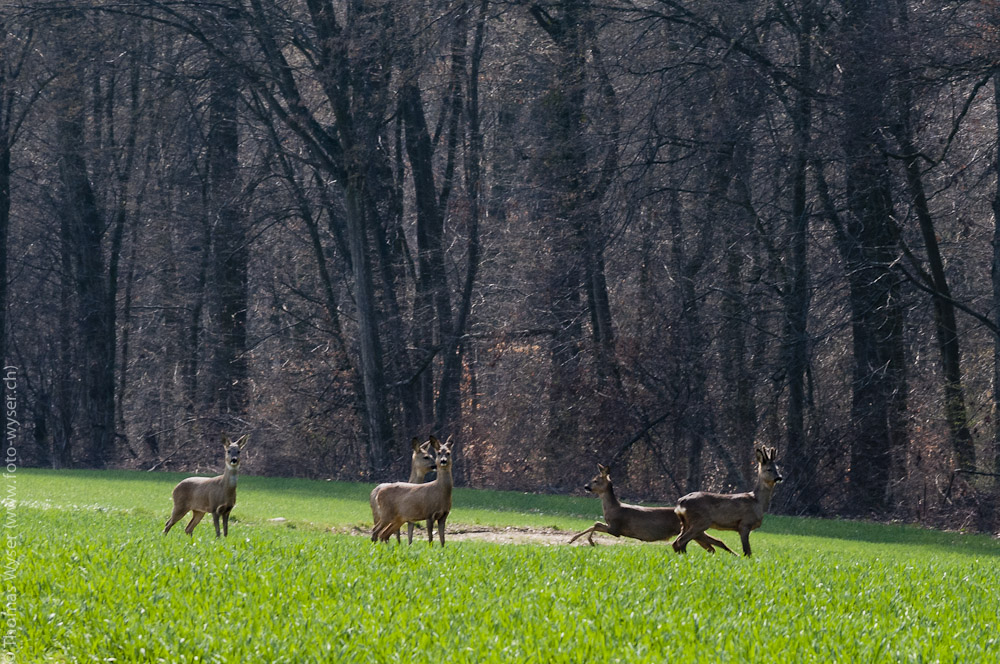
pixel 879 533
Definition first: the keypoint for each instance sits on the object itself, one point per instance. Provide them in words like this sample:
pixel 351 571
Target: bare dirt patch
pixel 509 535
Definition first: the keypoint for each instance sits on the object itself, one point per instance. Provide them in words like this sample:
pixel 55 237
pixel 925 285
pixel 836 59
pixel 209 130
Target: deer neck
pixel 444 478
pixel 609 501
pixel 229 477
pixel 762 492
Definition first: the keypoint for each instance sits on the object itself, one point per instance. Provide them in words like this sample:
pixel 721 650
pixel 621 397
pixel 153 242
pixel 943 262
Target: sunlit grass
pixel 99 582
pixel 303 503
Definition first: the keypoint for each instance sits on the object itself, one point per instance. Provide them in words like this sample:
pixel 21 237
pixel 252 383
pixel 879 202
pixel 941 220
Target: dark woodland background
pixel 640 232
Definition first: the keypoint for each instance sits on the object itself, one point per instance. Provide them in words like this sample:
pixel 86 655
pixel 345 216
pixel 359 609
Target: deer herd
pixel 396 503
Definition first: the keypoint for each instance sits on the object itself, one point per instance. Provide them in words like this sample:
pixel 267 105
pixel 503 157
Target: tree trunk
pixel 7 97
pixel 945 323
pixel 372 369
pixel 996 291
pixel 449 404
pixel 95 296
pixel 878 388
pixel 4 222
pixel 230 253
pixel 433 300
pixel 800 461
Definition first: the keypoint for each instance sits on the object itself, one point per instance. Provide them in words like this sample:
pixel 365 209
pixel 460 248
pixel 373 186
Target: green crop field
pixel 96 581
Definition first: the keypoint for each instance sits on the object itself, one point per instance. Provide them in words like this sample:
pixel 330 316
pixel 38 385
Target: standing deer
pixel 400 502
pixel 211 495
pixel 648 524
pixel 421 463
pixel 742 512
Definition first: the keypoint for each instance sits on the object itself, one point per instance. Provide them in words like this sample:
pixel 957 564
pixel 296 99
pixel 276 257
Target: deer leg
pixel 225 522
pixel 215 520
pixel 377 530
pixel 409 532
pixel 430 530
pixel 688 533
pixel 175 516
pixel 707 541
pixel 680 544
pixel 383 535
pixel 388 529
pixel 598 527
pixel 195 518
pixel 441 528
pixel 703 543
pixel 745 540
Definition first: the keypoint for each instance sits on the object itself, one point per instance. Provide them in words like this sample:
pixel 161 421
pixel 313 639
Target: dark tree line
pixel 646 233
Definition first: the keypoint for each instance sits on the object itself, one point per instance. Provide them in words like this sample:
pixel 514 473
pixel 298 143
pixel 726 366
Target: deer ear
pixel 435 443
pixel 243 440
pixel 604 470
pixel 761 454
pixel 415 444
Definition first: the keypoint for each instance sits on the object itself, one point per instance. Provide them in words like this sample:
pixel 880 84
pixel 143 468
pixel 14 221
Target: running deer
pixel 421 463
pixel 648 524
pixel 400 502
pixel 741 512
pixel 209 495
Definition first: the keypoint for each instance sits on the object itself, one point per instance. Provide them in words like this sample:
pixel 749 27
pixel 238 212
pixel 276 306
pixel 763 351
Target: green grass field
pixel 98 582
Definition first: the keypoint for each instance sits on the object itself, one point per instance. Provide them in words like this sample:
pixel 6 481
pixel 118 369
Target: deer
pixel 402 502
pixel 741 512
pixel 209 495
pixel 421 463
pixel 647 524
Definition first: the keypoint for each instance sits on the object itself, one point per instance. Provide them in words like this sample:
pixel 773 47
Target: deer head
pixel 233 450
pixel 443 451
pixel 600 482
pixel 768 473
pixel 423 455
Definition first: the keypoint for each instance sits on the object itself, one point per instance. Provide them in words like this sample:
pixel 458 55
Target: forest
pixel 644 233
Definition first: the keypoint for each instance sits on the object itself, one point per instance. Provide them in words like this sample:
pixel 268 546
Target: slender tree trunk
pixel 16 48
pixel 800 461
pixel 372 370
pixel 6 140
pixel 433 300
pixel 449 404
pixel 740 405
pixel 65 383
pixel 193 327
pixel 945 323
pixel 996 291
pixel 4 224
